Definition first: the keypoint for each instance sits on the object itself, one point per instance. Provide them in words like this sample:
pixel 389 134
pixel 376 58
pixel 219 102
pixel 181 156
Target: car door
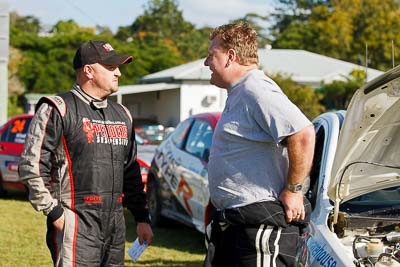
pixel 168 159
pixel 193 185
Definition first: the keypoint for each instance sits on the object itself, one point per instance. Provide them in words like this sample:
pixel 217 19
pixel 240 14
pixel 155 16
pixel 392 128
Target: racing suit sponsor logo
pixel 58 100
pixel 88 129
pixel 319 254
pixel 105 132
pixel 93 199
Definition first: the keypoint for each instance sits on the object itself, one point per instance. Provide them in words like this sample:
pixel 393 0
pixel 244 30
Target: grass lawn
pixel 23 239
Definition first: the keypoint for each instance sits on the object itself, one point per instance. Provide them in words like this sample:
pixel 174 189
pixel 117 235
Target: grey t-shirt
pixel 247 163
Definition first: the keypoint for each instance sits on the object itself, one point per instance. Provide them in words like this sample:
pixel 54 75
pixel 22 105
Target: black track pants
pixel 256 235
pixel 258 246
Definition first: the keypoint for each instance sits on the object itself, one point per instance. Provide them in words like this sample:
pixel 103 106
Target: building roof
pixel 307 67
pixel 303 66
pixel 194 70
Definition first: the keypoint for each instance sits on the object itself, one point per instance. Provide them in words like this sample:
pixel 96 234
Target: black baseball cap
pixel 98 52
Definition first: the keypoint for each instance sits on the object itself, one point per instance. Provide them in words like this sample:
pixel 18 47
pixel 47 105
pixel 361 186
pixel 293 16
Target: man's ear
pixel 231 57
pixel 88 71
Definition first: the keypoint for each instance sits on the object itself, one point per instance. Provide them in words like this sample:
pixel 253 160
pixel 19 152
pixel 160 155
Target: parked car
pixel 177 185
pixel 355 181
pixel 12 139
pixel 145 154
pixel 150 130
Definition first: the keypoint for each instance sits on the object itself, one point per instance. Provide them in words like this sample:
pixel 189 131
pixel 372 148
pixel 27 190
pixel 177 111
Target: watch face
pixel 295 187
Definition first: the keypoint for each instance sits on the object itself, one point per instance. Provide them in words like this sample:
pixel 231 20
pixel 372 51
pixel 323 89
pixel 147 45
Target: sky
pixel 123 12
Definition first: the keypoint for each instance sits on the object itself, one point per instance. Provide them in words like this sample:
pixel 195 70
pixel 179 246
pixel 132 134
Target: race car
pixel 177 185
pixel 12 139
pixel 145 153
pixel 355 181
pixel 149 130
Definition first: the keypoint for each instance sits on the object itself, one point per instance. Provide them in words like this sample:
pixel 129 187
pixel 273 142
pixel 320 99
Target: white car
pixel 178 178
pixel 355 181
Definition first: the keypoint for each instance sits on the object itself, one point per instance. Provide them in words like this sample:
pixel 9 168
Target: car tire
pixel 3 192
pixel 153 202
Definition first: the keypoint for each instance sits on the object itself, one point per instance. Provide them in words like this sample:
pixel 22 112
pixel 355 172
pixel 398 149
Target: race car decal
pixel 12 166
pixel 20 138
pixel 166 164
pixel 178 184
pixel 319 254
pixel 12 171
pixel 18 126
pixel 17 131
pixel 185 192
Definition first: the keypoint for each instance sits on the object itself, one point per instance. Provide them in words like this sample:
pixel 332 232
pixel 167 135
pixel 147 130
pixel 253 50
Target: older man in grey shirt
pixel 262 151
pixel 248 163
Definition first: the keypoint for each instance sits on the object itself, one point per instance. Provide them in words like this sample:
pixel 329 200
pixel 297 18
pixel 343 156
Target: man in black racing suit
pixel 79 163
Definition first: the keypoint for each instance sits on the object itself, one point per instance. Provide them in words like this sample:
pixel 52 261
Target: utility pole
pixel 4 51
pixel 366 62
pixel 393 54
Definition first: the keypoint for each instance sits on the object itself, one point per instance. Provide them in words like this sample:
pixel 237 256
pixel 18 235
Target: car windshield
pixel 380 202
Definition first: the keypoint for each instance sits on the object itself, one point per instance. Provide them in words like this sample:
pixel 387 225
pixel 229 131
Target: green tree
pixel 150 55
pixel 341 29
pixel 256 21
pixel 290 13
pixel 163 22
pixel 305 97
pixel 337 94
pixel 47 61
pixel 164 18
pixel 15 87
pixel 24 23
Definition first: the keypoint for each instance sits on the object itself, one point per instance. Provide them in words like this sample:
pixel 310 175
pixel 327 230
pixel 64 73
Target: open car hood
pixel 367 157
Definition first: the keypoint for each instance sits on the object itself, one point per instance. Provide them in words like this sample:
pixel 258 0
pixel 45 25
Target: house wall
pixel 162 106
pixel 169 107
pixel 201 98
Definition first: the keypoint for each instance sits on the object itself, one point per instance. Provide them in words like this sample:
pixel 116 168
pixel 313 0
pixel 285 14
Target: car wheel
pixel 3 192
pixel 153 202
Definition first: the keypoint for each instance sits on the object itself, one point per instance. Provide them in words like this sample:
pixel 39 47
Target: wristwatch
pixel 294 188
